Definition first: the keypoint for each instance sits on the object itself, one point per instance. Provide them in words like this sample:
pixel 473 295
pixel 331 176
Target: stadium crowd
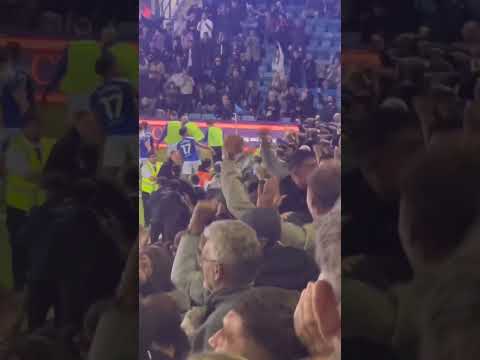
pixel 239 246
pixel 215 60
pixel 233 266
pixel 410 193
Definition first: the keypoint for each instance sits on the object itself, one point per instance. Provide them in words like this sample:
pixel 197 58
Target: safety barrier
pixel 250 132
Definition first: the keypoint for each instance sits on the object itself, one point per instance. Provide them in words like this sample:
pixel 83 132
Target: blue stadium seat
pixel 195 116
pixel 247 118
pixel 209 117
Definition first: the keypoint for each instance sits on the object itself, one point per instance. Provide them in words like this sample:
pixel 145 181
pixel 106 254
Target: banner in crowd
pixel 250 132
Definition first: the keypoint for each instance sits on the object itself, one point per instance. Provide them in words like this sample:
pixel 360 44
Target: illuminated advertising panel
pixel 247 130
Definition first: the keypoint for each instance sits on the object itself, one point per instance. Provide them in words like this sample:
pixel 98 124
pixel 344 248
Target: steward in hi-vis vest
pixel 25 159
pixel 149 172
pixel 215 141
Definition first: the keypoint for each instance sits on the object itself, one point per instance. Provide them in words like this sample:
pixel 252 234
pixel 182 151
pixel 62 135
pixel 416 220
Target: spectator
pixel 260 327
pixel 252 97
pixel 222 47
pixel 226 108
pixel 219 73
pixel 305 106
pixel 205 27
pixel 252 43
pixel 184 83
pixel 236 87
pixel 310 72
pixel 197 188
pixel 226 270
pixel 292 102
pixel 204 173
pixel 272 108
pixel 296 67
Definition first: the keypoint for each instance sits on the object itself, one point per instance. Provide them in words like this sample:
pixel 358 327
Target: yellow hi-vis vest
pixel 149 186
pixel 22 194
pixel 173 132
pixel 194 131
pixel 81 77
pixel 215 136
pixel 126 56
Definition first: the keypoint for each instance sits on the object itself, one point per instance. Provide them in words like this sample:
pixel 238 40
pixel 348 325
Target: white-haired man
pixel 214 266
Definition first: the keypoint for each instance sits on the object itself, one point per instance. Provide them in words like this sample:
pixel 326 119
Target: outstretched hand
pixel 203 214
pixel 233 146
pixel 317 320
pixel 269 196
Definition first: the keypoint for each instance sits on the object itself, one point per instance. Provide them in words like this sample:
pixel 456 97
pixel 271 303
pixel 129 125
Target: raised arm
pixel 238 201
pixel 274 166
pixel 186 274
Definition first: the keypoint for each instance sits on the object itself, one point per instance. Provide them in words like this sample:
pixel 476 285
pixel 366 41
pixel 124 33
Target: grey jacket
pixel 188 278
pixel 274 165
pixel 186 275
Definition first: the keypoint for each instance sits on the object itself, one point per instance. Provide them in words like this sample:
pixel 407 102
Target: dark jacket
pixel 286 268
pixel 168 170
pixel 73 158
pixel 295 200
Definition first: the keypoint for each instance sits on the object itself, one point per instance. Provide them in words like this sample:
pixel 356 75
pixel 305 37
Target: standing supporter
pixel 187 147
pixel 278 65
pixel 204 173
pixel 310 72
pixel 205 27
pixel 146 142
pixel 26 156
pixel 228 256
pixel 252 98
pixel 321 193
pixel 215 141
pixel 282 266
pixel 149 174
pixel 252 43
pixel 198 189
pixel 236 87
pixel 77 154
pixel 226 109
pixel 294 184
pixel 171 208
pixel 296 69
pixel 172 167
pixel 214 183
pixel 272 108
pixel 115 105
